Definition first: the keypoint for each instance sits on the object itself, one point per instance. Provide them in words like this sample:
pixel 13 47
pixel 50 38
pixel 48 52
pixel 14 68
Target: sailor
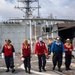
pixel 41 51
pixel 68 53
pixel 26 54
pixel 8 53
pixel 57 48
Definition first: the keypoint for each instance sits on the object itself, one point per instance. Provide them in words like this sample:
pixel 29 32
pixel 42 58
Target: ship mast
pixel 27 8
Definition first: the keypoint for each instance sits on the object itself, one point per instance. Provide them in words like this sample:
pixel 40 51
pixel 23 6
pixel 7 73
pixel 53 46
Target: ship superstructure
pixel 29 27
pixel 18 30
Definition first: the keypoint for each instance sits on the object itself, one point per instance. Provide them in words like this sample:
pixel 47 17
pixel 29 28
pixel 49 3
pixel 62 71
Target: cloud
pixel 59 8
pixel 7 10
pixel 10 1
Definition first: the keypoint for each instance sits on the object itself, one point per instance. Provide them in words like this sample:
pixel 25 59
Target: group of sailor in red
pixel 26 51
pixel 8 52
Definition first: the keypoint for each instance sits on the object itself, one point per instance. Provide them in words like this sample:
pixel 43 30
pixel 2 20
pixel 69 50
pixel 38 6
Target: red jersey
pixel 8 50
pixel 68 48
pixel 40 48
pixel 26 51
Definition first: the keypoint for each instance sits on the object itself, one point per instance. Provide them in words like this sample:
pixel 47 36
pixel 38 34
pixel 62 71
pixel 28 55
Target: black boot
pixel 66 68
pixel 13 70
pixel 29 71
pixel 53 68
pixel 40 70
pixel 69 68
pixel 44 69
pixel 26 70
pixel 7 70
pixel 59 70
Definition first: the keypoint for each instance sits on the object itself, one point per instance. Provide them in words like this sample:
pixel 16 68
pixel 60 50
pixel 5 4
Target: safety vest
pixel 8 50
pixel 68 49
pixel 40 49
pixel 26 51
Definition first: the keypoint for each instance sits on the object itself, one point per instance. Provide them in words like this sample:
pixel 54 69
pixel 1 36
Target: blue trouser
pixel 41 61
pixel 27 63
pixel 67 61
pixel 57 58
pixel 9 62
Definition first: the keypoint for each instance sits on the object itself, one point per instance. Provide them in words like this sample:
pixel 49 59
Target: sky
pixel 61 9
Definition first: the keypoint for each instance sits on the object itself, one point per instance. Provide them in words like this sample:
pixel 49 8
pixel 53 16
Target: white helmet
pixel 40 39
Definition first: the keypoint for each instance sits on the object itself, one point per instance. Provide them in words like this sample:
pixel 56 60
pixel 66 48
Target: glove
pixel 36 55
pixel 22 59
pixel 51 54
pixel 47 56
pixel 13 54
pixel 64 55
pixel 2 55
